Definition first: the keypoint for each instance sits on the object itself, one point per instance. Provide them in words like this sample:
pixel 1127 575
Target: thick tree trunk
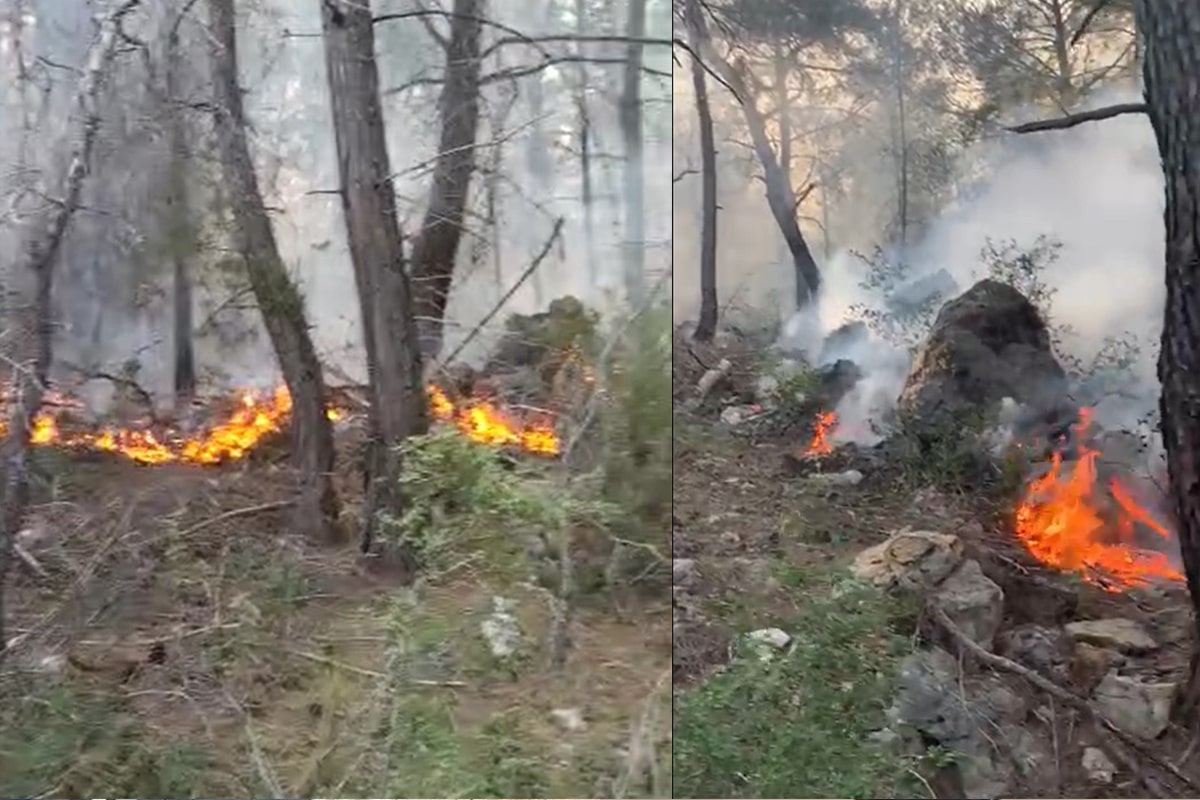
pixel 29 325
pixel 706 326
pixel 179 228
pixel 1172 90
pixel 278 297
pixel 634 193
pixel 436 246
pixel 398 404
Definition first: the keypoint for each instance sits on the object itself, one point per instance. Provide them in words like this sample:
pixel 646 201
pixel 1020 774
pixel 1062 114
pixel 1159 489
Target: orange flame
pixel 823 428
pixel 1061 521
pixel 258 416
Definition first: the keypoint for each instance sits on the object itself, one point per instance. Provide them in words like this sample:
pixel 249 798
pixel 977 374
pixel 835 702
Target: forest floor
pixel 757 546
pixel 179 641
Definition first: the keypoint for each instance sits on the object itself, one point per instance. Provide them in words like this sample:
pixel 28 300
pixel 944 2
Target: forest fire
pixel 823 428
pixel 257 416
pixel 1067 521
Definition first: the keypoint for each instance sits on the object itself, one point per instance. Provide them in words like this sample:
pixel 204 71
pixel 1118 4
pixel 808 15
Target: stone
pixel 736 415
pixel 500 629
pixel 987 344
pixel 1098 766
pixel 1124 635
pixel 973 601
pixel 1089 664
pixel 683 571
pixel 850 477
pixel 1142 709
pixel 1045 650
pixel 569 719
pixel 766 642
pixel 909 560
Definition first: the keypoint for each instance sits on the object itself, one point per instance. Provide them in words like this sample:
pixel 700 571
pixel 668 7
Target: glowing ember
pixel 258 416
pixel 1061 522
pixel 823 428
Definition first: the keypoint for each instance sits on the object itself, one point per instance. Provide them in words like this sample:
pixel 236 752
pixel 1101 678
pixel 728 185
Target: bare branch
pixel 1071 120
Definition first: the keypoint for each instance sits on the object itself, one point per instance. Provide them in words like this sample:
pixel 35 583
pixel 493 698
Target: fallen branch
pixel 708 380
pixel 1059 693
pixel 1071 120
pixel 537 262
pixel 366 673
pixel 238 512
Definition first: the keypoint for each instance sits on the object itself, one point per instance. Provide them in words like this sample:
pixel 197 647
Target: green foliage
pixel 636 425
pixel 66 743
pixel 458 493
pixel 799 725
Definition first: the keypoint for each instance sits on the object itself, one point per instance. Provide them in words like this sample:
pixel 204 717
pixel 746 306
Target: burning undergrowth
pixel 240 423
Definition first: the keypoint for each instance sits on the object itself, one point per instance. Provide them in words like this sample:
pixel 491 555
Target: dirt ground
pixel 179 641
pixel 741 514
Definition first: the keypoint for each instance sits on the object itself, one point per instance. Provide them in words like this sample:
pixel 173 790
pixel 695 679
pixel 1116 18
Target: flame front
pixel 1061 522
pixel 258 416
pixel 823 428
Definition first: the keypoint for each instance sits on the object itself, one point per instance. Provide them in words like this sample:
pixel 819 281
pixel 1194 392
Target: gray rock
pixel 569 719
pixel 500 629
pixel 909 559
pixel 850 477
pixel 736 415
pixel 1124 635
pixel 973 601
pixel 764 643
pixel 1046 650
pixel 683 571
pixel 1098 766
pixel 1143 709
pixel 928 698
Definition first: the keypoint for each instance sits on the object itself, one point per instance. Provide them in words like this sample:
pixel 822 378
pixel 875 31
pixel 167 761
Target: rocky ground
pixel 866 622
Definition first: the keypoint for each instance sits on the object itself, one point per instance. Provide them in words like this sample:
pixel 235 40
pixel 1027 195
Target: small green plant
pixel 800 723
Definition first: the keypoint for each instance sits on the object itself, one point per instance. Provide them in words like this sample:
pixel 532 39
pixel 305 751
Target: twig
pixel 237 512
pixel 1071 120
pixel 366 673
pixel 1068 698
pixel 537 262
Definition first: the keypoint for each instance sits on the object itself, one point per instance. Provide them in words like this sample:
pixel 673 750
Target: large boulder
pixel 987 344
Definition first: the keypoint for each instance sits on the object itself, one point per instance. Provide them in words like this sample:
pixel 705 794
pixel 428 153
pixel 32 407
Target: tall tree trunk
pixel 179 226
pixel 398 404
pixel 783 70
pixel 1172 90
pixel 436 245
pixel 277 295
pixel 30 326
pixel 706 326
pixel 1064 80
pixel 634 192
pixel 900 76
pixel 583 107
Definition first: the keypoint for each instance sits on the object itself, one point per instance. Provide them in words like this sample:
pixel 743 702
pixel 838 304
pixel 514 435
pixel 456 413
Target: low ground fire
pixel 257 415
pixel 821 443
pixel 1070 520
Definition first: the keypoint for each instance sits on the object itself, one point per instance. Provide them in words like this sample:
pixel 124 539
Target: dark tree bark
pixel 28 304
pixel 780 197
pixel 585 151
pixel 436 246
pixel 706 326
pixel 397 398
pixel 633 174
pixel 277 295
pixel 179 227
pixel 1172 91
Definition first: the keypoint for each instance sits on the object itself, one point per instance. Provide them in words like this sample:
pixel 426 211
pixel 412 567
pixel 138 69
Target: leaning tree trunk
pixel 780 197
pixel 1172 90
pixel 278 297
pixel 30 327
pixel 706 327
pixel 634 191
pixel 436 246
pixel 397 399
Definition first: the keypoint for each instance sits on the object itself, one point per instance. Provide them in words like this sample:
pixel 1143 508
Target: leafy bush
pixel 800 724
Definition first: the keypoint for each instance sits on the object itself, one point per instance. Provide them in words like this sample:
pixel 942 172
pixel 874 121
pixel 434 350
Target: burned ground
pixel 172 637
pixel 760 544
